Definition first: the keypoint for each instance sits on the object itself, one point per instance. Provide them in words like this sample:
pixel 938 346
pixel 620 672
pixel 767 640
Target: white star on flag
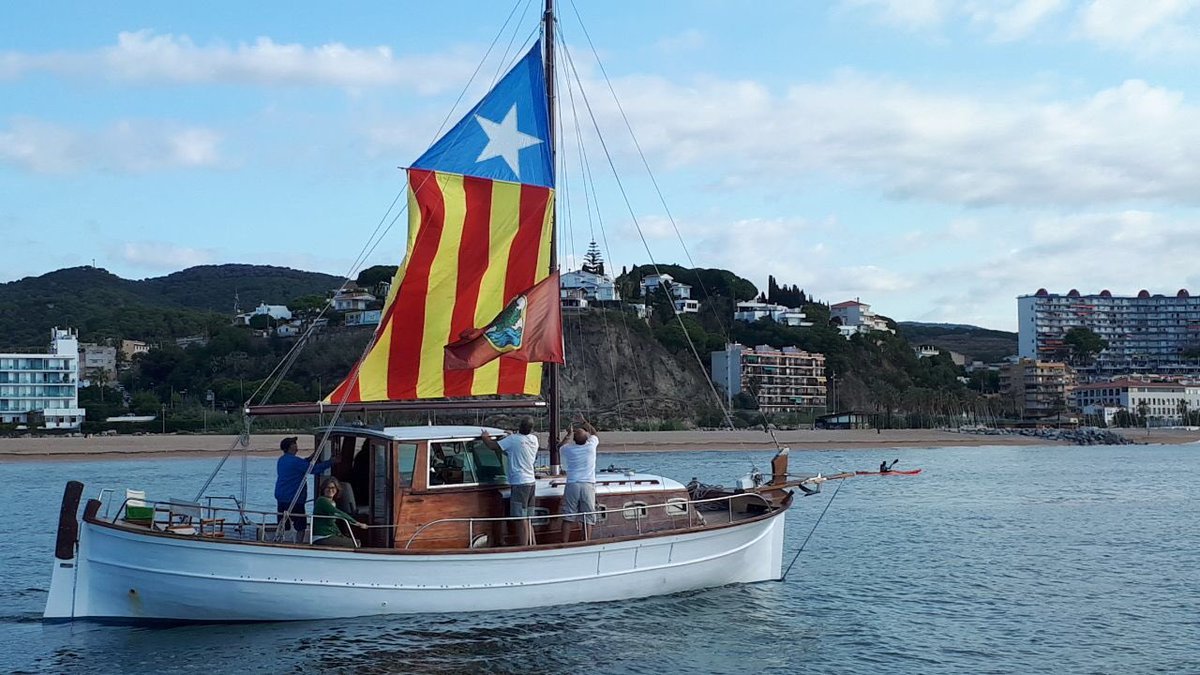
pixel 504 140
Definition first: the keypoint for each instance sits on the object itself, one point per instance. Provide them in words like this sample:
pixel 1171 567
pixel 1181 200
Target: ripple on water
pixel 993 560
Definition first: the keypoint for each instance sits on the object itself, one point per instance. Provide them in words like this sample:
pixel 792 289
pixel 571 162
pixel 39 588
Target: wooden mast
pixel 552 379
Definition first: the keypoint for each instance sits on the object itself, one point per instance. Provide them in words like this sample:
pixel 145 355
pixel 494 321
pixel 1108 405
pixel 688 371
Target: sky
pixel 933 158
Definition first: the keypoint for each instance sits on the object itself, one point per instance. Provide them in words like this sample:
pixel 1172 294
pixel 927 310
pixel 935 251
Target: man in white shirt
pixel 521 449
pixel 578 451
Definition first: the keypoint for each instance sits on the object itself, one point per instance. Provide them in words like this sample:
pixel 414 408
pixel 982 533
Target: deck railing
pixel 641 514
pixel 207 519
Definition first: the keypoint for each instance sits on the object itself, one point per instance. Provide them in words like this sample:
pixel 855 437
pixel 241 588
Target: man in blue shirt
pixel 291 476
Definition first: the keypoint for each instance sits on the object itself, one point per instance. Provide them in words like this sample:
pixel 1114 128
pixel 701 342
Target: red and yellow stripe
pixel 474 244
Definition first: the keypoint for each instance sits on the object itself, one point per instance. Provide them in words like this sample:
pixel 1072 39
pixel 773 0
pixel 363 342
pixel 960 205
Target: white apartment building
pixel 43 385
pixel 753 310
pixel 597 287
pixel 783 380
pixel 857 317
pixel 1145 333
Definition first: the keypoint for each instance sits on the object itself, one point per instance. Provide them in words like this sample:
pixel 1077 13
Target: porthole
pixel 676 506
pixel 635 510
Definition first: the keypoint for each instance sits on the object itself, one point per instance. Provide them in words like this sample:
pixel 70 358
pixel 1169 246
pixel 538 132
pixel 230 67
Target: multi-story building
pixel 97 364
pixel 927 351
pixel 131 348
pixel 856 317
pixel 1158 400
pixel 781 380
pixel 1155 334
pixel 1040 389
pixel 753 310
pixel 43 386
pixel 681 294
pixel 591 286
pixel 351 298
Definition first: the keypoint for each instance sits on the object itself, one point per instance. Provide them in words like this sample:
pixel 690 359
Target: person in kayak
pixel 884 467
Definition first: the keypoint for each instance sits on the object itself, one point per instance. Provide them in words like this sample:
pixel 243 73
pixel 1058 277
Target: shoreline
pixel 172 446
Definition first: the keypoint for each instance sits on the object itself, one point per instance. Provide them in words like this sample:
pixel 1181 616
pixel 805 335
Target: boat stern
pixel 60 602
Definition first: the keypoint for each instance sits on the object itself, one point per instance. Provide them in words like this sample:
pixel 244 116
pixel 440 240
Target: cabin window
pixel 464 463
pixel 539 514
pixel 676 506
pixel 635 510
pixel 406 462
pixel 601 513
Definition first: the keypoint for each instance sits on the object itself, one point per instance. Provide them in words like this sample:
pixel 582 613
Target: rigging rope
pixel 836 490
pixel 725 331
pixel 277 374
pixel 642 236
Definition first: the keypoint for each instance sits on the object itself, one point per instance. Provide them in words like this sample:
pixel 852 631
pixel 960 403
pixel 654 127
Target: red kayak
pixel 911 472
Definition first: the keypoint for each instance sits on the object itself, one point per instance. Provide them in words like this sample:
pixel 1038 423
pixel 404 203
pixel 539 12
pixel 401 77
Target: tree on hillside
pixel 784 295
pixel 592 260
pixel 373 276
pixel 1084 345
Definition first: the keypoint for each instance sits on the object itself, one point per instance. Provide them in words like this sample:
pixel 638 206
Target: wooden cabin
pixel 428 482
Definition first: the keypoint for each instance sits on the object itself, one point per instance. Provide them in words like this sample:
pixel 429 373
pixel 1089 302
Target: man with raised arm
pixel 291 474
pixel 521 449
pixel 578 451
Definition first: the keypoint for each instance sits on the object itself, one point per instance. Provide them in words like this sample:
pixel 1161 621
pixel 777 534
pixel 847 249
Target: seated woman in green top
pixel 325 530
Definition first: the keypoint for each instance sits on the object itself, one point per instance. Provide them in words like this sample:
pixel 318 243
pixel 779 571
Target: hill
pixel 213 287
pixel 102 305
pixel 978 344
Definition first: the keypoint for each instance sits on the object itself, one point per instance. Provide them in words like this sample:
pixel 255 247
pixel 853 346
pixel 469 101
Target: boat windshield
pixel 464 463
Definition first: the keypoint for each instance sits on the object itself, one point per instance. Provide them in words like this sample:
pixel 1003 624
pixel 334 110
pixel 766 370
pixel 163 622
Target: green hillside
pixel 980 344
pixel 102 305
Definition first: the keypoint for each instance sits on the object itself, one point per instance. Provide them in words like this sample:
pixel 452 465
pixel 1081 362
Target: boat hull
pixel 127 575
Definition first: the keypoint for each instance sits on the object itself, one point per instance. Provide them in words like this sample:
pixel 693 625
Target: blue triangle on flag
pixel 506 135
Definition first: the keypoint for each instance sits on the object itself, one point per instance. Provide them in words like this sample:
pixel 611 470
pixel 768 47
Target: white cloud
pixel 687 41
pixel 910 14
pixel 1147 27
pixel 1001 20
pixel 1133 141
pixel 125 146
pixel 158 256
pixel 146 57
pixel 1121 251
pixel 1012 20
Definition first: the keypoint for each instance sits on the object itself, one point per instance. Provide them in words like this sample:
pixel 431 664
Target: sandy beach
pixel 184 446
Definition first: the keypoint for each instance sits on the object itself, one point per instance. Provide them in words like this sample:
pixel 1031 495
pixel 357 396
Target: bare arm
pixel 489 442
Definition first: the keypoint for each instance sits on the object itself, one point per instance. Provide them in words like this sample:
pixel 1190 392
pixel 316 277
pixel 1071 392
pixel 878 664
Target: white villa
pixel 681 293
pixel 352 298
pixel 857 317
pixel 753 310
pixel 590 286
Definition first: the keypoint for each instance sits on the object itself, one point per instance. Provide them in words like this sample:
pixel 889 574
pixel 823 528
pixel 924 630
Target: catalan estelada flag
pixel 480 207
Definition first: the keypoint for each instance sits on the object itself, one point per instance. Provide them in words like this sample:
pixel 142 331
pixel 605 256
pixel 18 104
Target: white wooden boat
pixel 438 539
pixel 214 563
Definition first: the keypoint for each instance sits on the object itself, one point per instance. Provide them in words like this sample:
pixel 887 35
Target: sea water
pixel 993 560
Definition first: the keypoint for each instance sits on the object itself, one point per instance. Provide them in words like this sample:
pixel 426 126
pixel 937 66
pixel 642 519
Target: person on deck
pixel 291 477
pixel 521 449
pixel 578 450
pixel 326 516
